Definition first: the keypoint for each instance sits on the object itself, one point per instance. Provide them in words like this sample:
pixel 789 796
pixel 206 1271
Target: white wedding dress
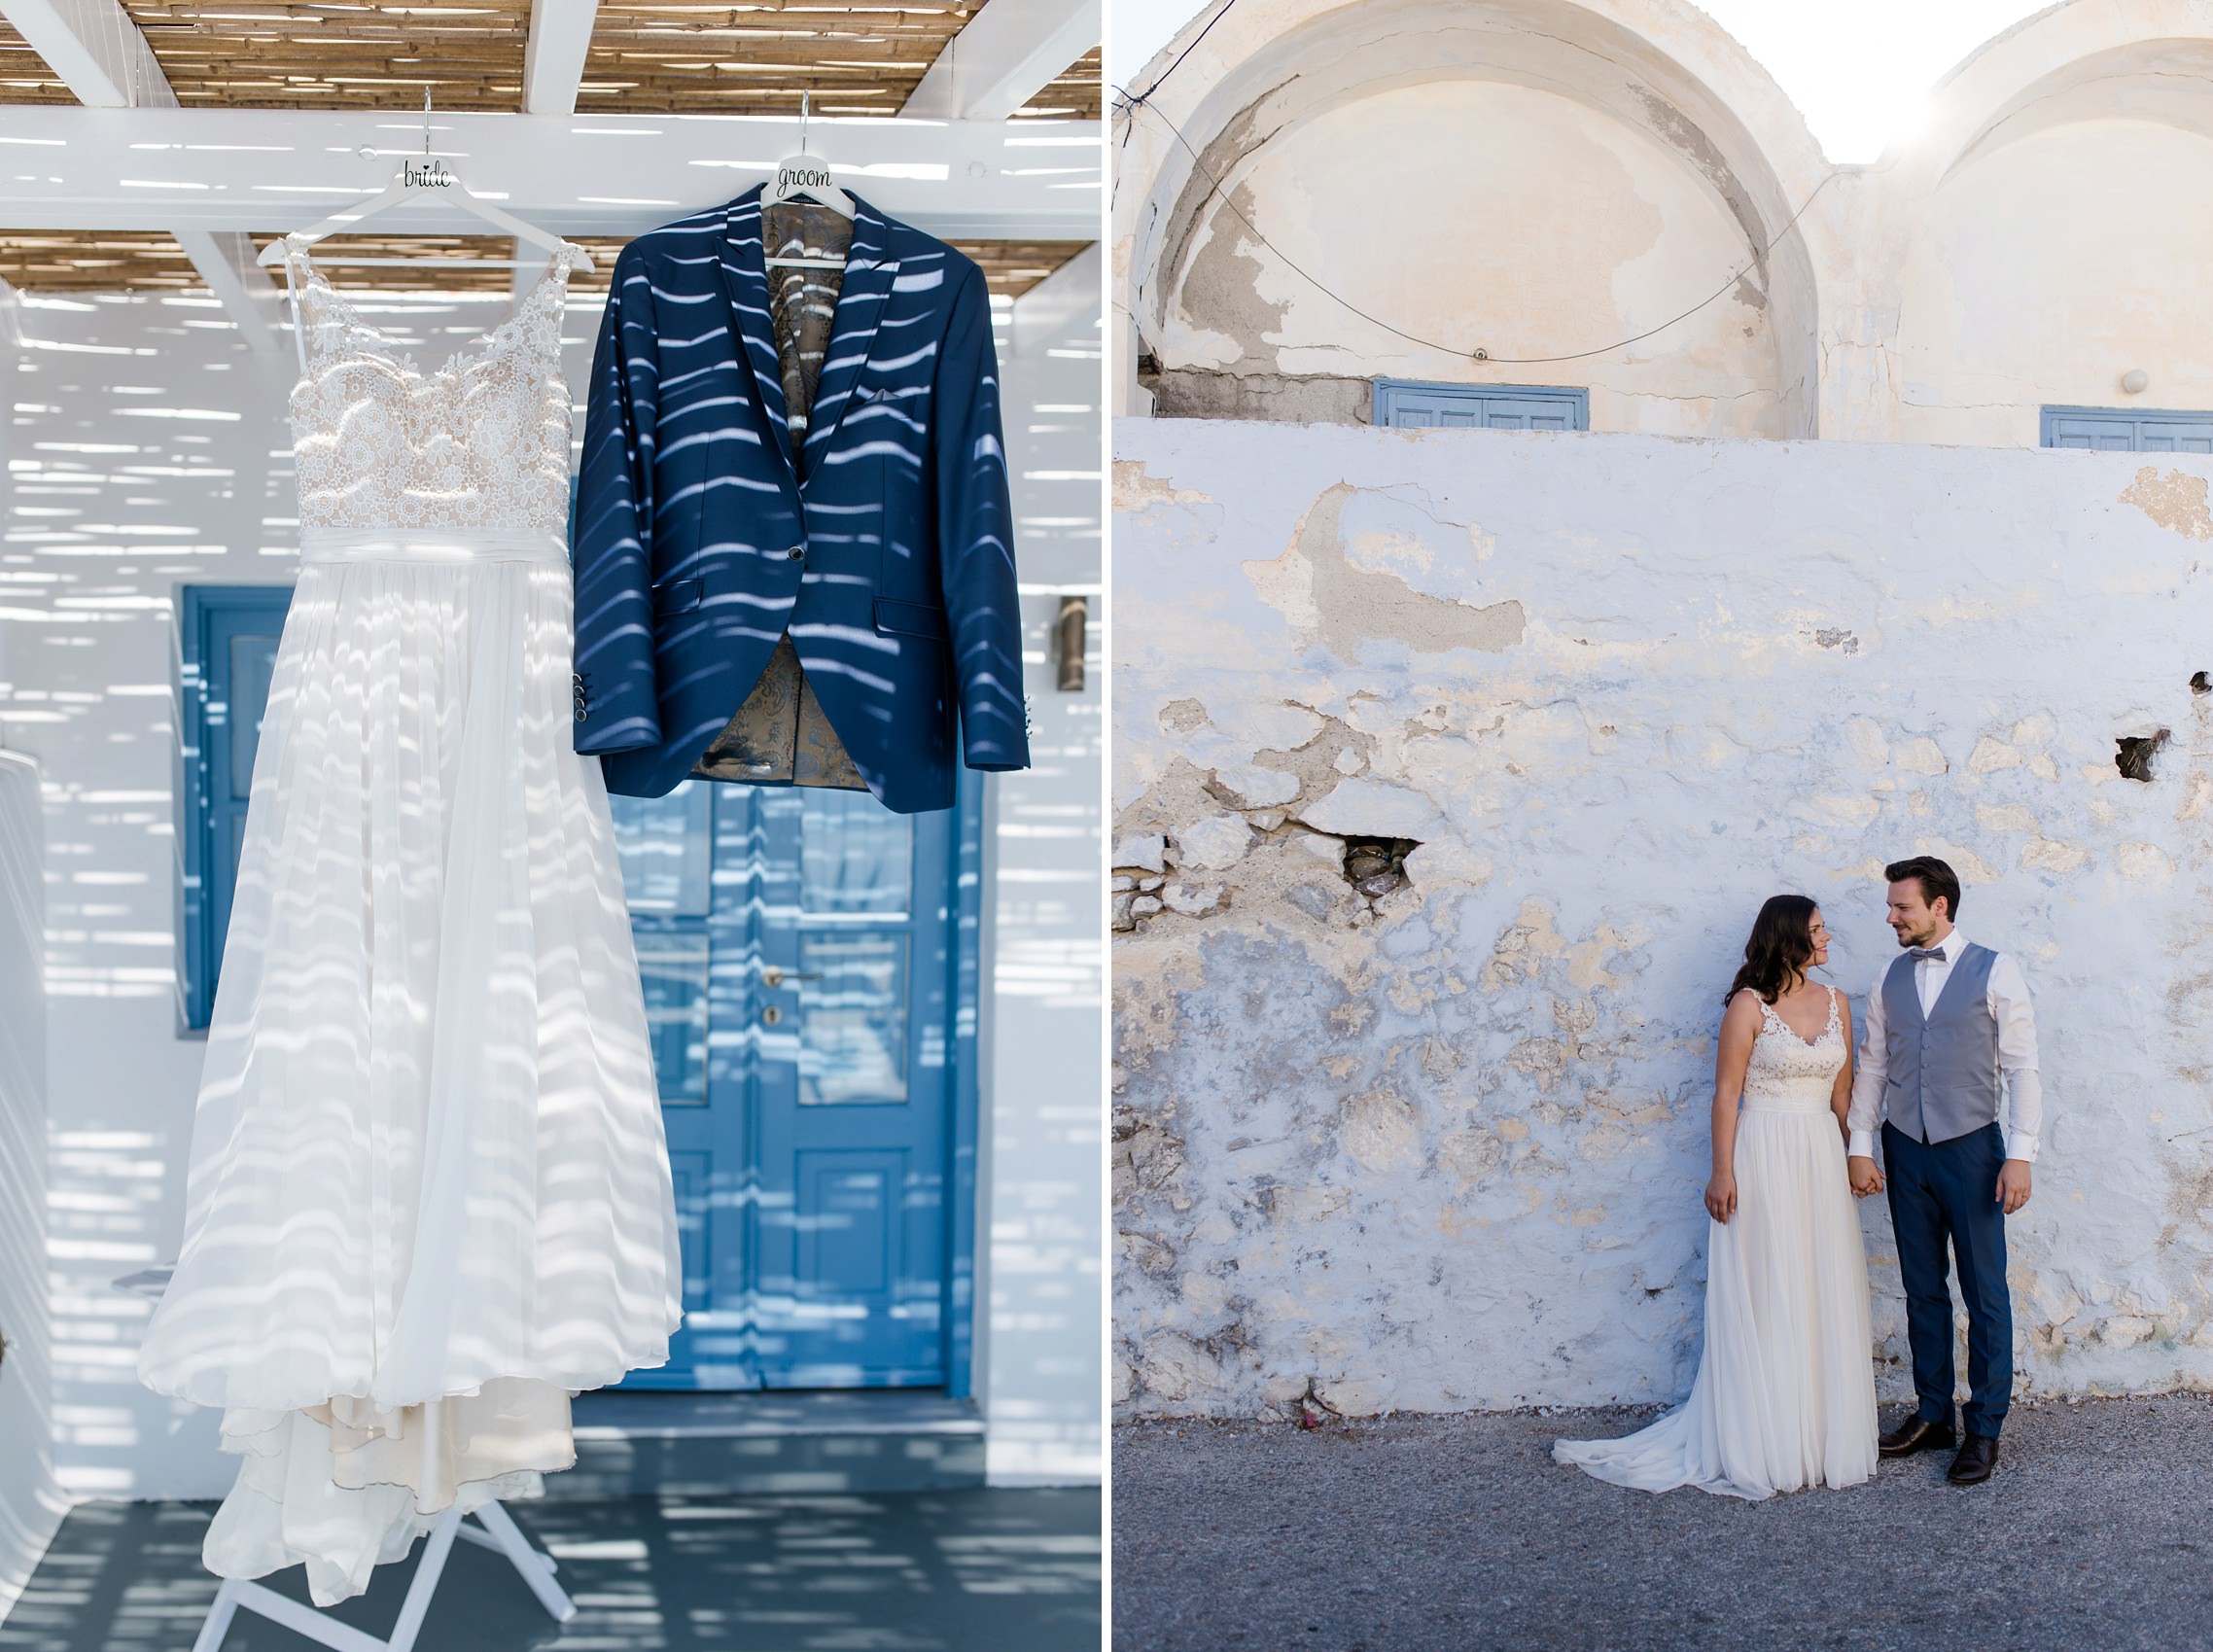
pixel 429 1193
pixel 1784 1396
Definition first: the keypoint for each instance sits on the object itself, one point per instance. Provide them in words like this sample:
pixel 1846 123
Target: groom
pixel 1944 1023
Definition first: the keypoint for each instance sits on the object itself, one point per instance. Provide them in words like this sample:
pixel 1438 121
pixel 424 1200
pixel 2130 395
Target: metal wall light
pixel 1069 634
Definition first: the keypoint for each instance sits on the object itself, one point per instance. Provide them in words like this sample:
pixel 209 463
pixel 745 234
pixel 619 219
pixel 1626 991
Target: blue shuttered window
pixel 2128 430
pixel 1406 403
pixel 227 651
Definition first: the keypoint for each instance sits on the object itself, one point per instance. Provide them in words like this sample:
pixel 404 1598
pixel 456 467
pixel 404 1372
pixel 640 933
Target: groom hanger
pixel 805 175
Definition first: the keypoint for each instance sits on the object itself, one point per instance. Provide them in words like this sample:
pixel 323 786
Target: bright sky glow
pixel 1860 70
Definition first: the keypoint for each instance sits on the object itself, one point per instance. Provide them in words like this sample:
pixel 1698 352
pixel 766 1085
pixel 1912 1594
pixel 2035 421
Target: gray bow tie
pixel 1921 952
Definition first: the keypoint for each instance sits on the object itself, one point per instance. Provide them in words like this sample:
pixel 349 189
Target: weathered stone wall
pixel 1427 1131
pixel 1618 221
pixel 1557 192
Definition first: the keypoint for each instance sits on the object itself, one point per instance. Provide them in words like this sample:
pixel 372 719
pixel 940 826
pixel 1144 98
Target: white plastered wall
pixel 2030 245
pixel 1041 1232
pixel 31 1502
pixel 1476 214
pixel 2047 268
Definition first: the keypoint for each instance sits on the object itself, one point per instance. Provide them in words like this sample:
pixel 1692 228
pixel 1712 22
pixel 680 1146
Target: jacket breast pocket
pixel 678 596
pixel 911 620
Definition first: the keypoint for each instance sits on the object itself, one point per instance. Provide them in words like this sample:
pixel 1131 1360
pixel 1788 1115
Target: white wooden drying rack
pixel 498 1531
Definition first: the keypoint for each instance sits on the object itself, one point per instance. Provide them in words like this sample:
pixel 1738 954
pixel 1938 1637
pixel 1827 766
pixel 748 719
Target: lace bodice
pixel 1785 1071
pixel 479 444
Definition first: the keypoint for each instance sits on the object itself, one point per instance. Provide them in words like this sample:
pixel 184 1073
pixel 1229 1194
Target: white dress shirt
pixel 2008 999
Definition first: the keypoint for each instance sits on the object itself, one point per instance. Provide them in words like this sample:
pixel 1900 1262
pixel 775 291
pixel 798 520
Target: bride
pixel 1784 1396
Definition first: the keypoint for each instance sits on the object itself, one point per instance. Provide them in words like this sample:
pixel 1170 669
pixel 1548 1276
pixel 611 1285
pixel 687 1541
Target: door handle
pixel 774 976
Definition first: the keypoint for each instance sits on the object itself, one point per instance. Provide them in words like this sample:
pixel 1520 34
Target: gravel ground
pixel 1461 1532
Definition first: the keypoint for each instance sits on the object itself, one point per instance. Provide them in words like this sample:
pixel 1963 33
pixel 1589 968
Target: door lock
pixel 773 1015
pixel 774 975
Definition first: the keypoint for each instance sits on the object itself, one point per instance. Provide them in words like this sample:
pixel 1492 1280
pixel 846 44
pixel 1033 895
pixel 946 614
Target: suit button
pixel 796 552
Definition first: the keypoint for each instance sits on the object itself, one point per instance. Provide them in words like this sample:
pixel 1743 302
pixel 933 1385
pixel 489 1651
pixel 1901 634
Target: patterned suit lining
pixel 780 733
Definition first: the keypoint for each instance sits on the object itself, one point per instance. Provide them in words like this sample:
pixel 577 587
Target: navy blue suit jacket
pixel 888 554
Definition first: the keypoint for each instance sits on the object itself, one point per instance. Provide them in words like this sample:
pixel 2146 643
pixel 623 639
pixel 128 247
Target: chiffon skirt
pixel 429 1194
pixel 1784 1396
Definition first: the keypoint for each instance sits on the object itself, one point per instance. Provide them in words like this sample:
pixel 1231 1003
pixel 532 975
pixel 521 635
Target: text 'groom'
pixel 1947 1023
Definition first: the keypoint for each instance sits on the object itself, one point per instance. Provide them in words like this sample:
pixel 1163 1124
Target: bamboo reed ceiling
pixel 25 76
pixel 39 260
pixel 260 54
pixel 756 59
pixel 644 58
pixel 1074 93
pixel 84 262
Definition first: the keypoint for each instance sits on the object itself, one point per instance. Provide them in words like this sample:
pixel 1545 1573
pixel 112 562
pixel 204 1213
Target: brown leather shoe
pixel 1978 1456
pixel 1914 1435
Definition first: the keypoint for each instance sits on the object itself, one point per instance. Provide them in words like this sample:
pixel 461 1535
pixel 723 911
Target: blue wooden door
pixel 796 948
pixel 226 650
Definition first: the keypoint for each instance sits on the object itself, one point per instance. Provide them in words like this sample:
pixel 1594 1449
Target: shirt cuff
pixel 2022 1148
pixel 1863 1145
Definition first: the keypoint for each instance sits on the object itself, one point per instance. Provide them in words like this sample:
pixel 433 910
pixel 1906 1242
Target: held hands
pixel 1866 1177
pixel 2012 1185
pixel 1721 1196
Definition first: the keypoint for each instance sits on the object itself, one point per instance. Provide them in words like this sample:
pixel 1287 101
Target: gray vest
pixel 1943 1075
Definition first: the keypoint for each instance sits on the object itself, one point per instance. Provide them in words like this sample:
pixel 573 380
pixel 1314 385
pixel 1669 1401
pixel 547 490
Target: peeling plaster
pixel 2174 500
pixel 1328 596
pixel 1441 1148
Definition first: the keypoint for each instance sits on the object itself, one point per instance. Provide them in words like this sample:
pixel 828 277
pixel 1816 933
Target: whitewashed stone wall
pixel 1439 1144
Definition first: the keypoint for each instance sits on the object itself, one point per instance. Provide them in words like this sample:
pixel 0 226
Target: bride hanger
pixel 415 180
pixel 805 175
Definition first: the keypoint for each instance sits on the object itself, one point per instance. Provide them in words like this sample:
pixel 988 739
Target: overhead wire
pixel 1131 102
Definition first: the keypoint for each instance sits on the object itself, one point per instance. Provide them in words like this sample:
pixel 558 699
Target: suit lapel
pixel 744 279
pixel 869 270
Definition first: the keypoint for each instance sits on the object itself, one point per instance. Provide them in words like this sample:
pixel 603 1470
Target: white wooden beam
pixel 275 169
pixel 554 59
pixel 95 49
pixel 1008 52
pixel 224 259
pixel 103 58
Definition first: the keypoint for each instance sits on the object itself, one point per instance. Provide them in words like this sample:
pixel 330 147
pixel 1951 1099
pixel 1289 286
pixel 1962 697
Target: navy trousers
pixel 1946 1194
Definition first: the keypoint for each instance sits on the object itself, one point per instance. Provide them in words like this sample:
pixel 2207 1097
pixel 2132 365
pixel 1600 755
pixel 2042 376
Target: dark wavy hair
pixel 1781 946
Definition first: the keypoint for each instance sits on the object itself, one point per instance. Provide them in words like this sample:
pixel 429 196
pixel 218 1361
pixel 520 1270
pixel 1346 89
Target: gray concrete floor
pixel 1461 1532
pixel 969 1571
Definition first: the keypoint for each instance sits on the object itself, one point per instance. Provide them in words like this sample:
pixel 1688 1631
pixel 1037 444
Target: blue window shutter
pixel 2128 430
pixel 1406 403
pixel 227 651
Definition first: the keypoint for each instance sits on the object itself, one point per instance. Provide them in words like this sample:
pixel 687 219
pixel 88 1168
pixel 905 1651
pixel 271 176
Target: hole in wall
pixel 1377 866
pixel 2201 684
pixel 2133 754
